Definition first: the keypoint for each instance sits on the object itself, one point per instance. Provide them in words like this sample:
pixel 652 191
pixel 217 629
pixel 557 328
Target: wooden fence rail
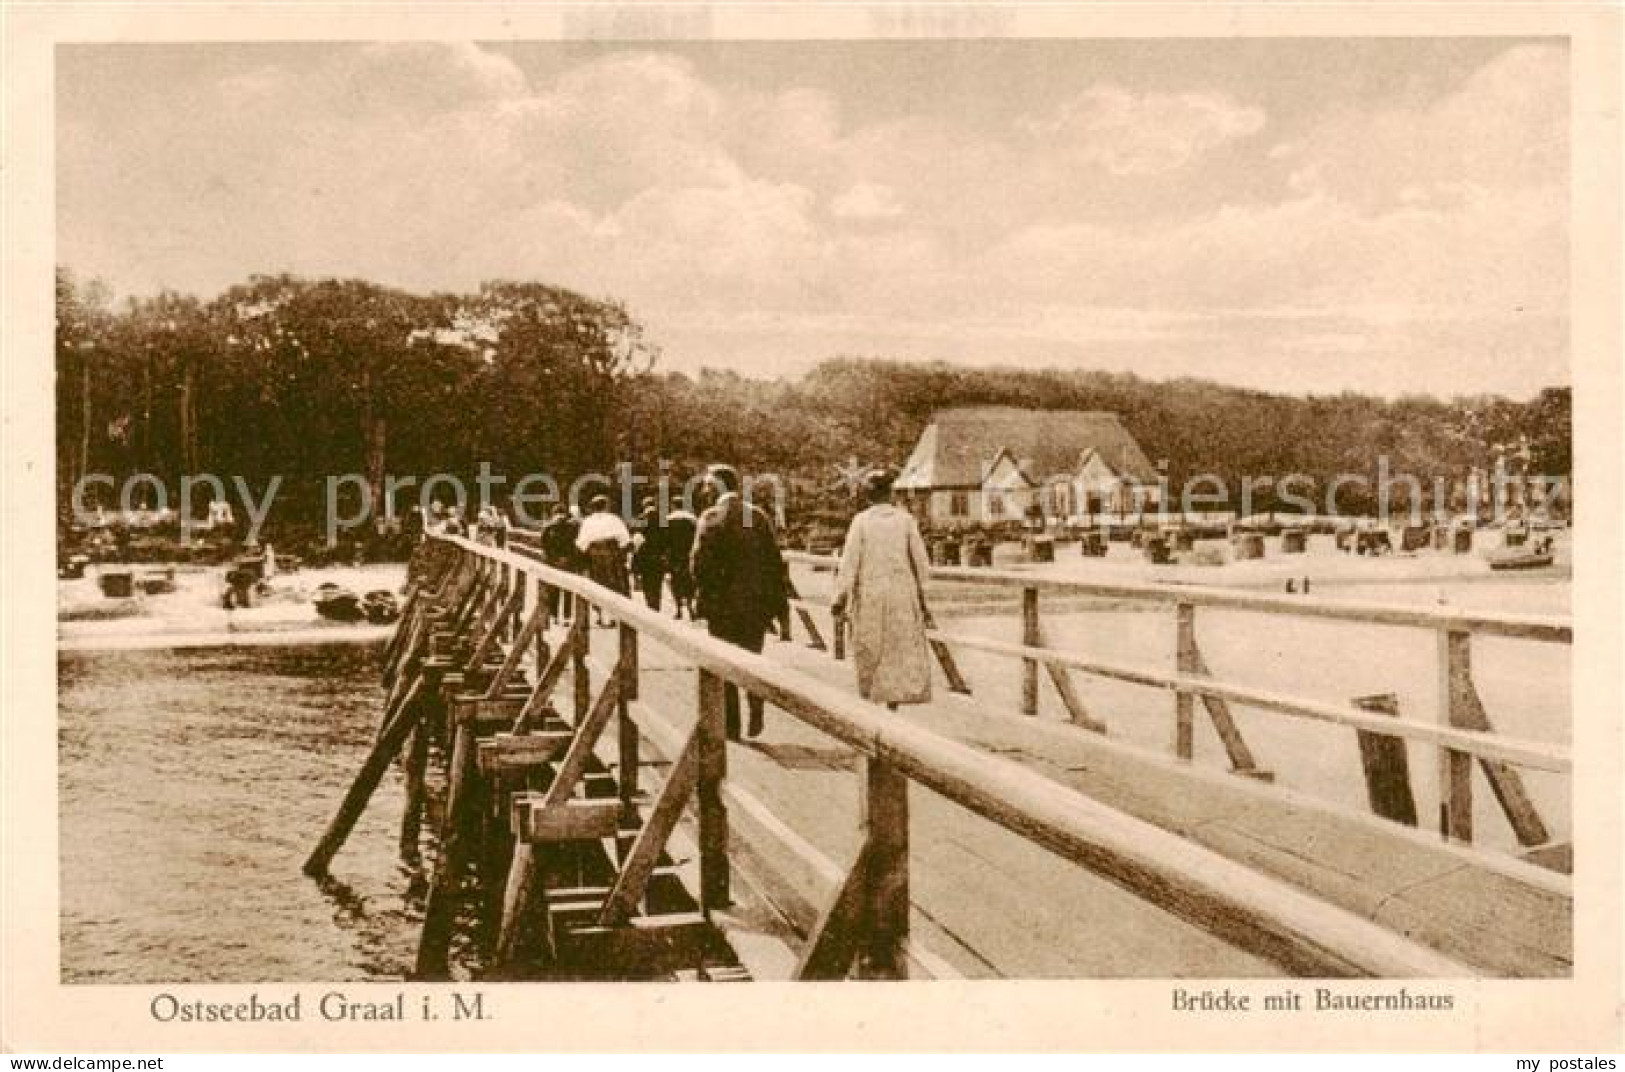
pixel 1461 729
pixel 1547 628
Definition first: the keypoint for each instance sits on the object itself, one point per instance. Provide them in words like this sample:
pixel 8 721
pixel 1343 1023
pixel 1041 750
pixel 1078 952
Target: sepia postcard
pixel 1092 527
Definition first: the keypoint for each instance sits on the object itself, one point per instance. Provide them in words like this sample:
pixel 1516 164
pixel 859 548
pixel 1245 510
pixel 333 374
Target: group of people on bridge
pixel 725 567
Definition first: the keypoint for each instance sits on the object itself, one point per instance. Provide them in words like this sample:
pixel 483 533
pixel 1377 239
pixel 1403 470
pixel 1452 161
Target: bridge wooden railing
pixel 524 774
pixel 1461 730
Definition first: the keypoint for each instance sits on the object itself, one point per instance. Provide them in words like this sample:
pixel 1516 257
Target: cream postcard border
pixel 39 1014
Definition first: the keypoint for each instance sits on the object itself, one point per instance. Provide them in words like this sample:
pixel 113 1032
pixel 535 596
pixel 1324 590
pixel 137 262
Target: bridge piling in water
pixel 1386 764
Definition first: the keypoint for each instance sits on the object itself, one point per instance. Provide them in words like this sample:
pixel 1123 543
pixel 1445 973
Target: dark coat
pixel 739 574
pixel 649 560
pixel 606 564
pixel 559 543
pixel 680 530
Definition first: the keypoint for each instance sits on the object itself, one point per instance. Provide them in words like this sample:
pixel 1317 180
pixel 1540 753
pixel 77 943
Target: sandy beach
pixel 192 614
pixel 1321 562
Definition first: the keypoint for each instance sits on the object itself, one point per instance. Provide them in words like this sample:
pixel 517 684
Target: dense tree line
pixel 304 379
pixel 874 410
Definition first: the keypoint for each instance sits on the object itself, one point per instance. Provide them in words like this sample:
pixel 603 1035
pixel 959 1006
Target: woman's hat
pixel 879 481
pixel 724 477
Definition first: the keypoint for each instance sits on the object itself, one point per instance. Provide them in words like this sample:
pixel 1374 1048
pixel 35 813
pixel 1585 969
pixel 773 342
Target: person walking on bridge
pixel 739 579
pixel 559 551
pixel 681 527
pixel 604 539
pixel 880 589
pixel 649 554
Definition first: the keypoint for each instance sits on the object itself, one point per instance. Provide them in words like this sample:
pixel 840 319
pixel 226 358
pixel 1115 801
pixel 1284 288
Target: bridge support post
pixel 517 894
pixel 407 673
pixel 1185 662
pixel 626 731
pixel 499 587
pixel 712 731
pixel 885 809
pixel 866 923
pixel 416 767
pixel 1455 768
pixel 1061 678
pixel 815 639
pixel 405 717
pixel 521 585
pixel 1189 659
pixel 1386 764
pixel 546 620
pixel 523 878
pixel 430 595
pixel 950 666
pixel 580 648
pixel 516 652
pixel 1031 637
pixel 439 913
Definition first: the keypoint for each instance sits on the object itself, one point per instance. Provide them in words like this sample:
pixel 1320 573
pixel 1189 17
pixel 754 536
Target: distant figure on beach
pixel 880 589
pixel 559 551
pixel 649 555
pixel 680 529
pixel 604 539
pixel 738 577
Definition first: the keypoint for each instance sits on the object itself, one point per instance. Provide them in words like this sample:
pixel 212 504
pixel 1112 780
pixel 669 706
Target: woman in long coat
pixel 880 589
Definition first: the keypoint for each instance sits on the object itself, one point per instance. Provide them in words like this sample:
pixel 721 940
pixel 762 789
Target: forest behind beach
pixel 311 378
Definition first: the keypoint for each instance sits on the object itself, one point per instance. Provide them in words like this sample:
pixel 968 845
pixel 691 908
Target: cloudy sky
pixel 1381 215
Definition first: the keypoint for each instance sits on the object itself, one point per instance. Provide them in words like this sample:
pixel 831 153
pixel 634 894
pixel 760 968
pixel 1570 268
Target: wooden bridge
pixel 588 819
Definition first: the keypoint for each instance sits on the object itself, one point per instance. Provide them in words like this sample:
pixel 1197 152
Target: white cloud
pixel 635 176
pixel 1131 133
pixel 866 201
pixel 386 77
pixel 1493 251
pixel 1505 126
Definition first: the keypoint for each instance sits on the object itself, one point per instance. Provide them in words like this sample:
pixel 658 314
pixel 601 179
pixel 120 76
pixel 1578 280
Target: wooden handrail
pixel 1524 753
pixel 1258 913
pixel 1549 628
